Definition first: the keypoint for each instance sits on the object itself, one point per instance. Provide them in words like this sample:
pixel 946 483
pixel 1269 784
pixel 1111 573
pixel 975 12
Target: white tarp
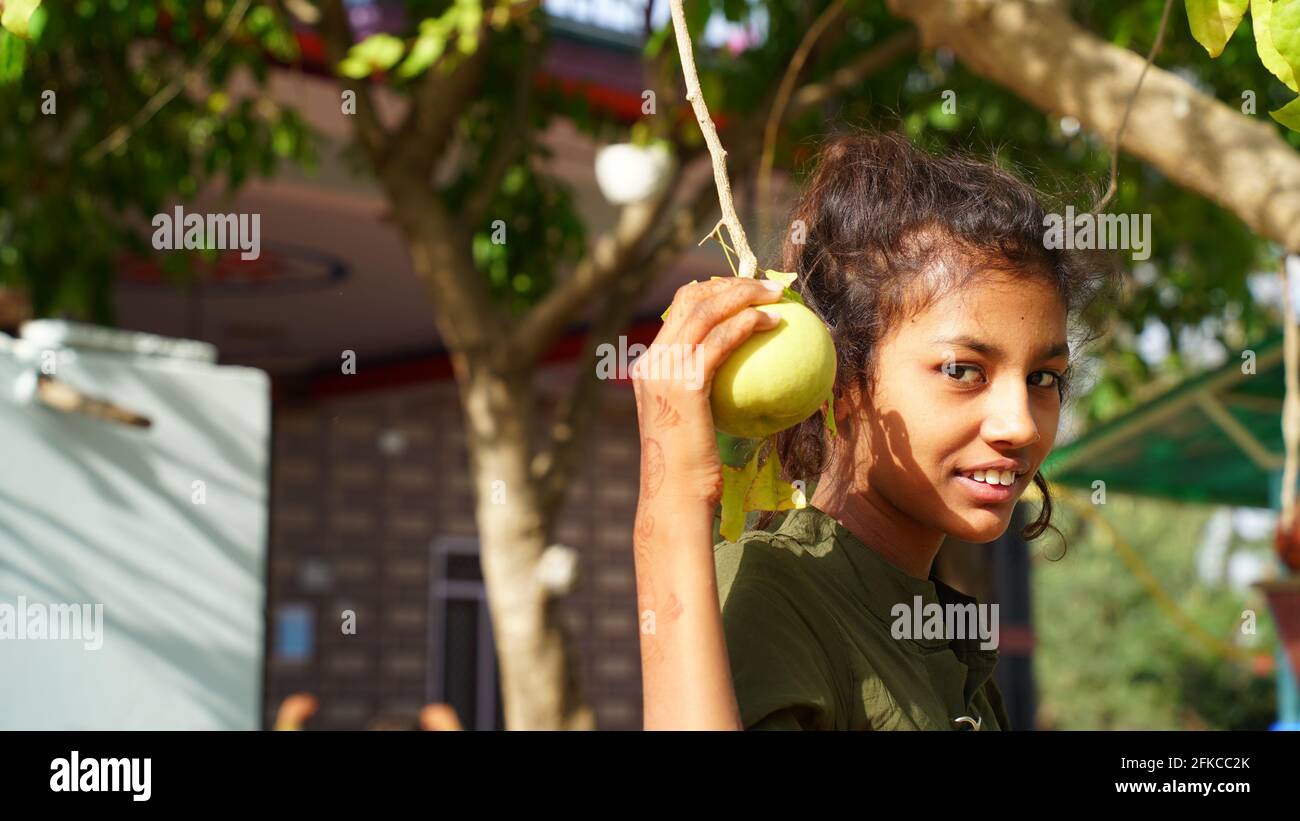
pixel 164 526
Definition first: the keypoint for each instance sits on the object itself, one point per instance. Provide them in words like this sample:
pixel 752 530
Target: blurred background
pixel 385 472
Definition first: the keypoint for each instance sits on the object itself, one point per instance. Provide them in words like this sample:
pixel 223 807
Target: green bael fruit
pixel 776 378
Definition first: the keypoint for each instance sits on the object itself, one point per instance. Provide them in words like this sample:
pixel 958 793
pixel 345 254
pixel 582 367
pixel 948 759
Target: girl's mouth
pixel 992 485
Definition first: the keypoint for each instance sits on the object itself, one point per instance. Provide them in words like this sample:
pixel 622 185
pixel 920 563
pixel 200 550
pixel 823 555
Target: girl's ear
pixel 847 403
pixel 842 410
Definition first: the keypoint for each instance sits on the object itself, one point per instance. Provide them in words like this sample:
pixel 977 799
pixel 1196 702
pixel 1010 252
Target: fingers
pixel 729 334
pixel 700 306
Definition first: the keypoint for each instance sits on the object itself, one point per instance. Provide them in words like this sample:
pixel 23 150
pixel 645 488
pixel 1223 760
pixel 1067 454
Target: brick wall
pixel 363 485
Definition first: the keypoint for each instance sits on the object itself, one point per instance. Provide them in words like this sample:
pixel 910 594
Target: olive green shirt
pixel 807 611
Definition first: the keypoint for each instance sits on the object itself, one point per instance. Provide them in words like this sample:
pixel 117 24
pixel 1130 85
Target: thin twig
pixel 856 71
pixel 777 114
pixel 748 263
pixel 1128 109
pixel 123 132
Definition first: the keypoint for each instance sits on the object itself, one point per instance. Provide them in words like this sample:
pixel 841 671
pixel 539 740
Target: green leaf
pixel 17 16
pixel 697 14
pixel 735 487
pixel 1288 115
pixel 428 48
pixel 12 51
pixel 768 491
pixel 656 41
pixel 378 51
pixel 786 278
pixel 354 68
pixel 1261 14
pixel 1214 21
pixel 36 23
pixel 1284 27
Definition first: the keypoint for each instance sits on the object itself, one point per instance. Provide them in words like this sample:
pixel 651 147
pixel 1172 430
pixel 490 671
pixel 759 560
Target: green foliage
pixel 457 26
pixel 545 232
pixel 1284 29
pixel 1261 14
pixel 1213 21
pixel 1201 254
pixel 1108 658
pixel 1277 38
pixel 1288 115
pixel 1195 279
pixel 66 220
pixel 23 18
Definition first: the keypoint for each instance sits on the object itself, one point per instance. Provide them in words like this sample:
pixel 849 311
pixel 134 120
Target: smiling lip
pixel 983 492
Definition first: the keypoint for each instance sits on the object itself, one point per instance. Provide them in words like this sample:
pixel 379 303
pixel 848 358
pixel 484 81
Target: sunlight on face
pixel 966 405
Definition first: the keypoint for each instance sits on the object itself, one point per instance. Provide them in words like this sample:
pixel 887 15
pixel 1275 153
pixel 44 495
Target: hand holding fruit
pixel 707 322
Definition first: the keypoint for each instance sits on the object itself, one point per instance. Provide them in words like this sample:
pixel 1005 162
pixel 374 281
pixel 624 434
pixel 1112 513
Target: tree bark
pixel 539 679
pixel 1040 54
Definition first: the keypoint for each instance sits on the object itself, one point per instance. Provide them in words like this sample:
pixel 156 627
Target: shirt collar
pixel 882 585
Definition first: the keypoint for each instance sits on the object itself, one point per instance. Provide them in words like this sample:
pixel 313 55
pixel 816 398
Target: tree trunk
pixel 537 663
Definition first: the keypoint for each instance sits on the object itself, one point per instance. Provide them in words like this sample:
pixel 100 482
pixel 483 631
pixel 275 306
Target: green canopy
pixel 1216 438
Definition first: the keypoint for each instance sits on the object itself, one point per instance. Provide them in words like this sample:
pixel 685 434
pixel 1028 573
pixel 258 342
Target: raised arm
pixel 685 673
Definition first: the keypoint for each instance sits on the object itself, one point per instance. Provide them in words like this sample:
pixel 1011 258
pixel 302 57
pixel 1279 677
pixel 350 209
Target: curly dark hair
pixel 881 228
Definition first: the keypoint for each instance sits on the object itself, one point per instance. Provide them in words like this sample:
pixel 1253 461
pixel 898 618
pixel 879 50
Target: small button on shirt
pixel 808 611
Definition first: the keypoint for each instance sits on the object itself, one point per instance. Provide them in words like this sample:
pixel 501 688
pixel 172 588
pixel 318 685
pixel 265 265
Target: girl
pixel 949 316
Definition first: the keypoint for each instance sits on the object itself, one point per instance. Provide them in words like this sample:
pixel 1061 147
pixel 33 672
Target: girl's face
pixel 966 405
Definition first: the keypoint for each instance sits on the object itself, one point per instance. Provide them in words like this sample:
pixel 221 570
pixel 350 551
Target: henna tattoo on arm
pixel 666 416
pixel 645 528
pixel 673 608
pixel 652 469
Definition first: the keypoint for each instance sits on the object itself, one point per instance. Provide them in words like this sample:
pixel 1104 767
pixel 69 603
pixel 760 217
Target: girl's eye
pixel 1048 379
pixel 966 374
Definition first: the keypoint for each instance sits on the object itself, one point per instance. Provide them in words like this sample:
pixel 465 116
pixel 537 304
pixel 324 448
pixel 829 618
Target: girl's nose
pixel 1008 421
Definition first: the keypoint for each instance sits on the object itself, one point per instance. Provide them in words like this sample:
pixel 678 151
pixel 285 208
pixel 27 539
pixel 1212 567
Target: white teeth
pixel 993 477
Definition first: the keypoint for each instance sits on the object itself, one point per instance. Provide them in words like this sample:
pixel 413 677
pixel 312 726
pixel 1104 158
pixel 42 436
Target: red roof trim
pixel 625 105
pixel 437 367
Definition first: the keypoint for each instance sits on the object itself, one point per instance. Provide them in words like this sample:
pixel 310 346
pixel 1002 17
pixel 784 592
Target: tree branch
pixel 598 269
pixel 336 33
pixel 555 465
pixel 890 49
pixel 469 321
pixel 443 95
pixel 748 262
pixel 167 93
pixel 1128 109
pixel 511 137
pixel 609 256
pixel 435 110
pixel 1034 50
pixel 795 68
